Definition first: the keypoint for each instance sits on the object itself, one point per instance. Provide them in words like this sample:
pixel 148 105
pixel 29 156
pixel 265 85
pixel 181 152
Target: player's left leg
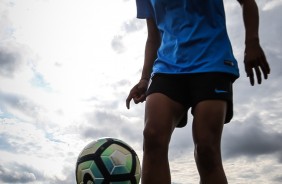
pixel 209 116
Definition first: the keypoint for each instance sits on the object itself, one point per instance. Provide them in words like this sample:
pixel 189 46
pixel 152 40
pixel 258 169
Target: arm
pixel 151 48
pixel 138 92
pixel 254 55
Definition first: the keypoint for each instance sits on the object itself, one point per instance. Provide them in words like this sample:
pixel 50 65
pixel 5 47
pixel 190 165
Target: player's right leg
pixel 161 115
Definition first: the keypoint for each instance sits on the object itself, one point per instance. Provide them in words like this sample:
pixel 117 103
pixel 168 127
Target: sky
pixel 66 67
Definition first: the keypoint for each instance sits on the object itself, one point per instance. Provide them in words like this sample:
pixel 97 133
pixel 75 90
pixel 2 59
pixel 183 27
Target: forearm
pixel 251 21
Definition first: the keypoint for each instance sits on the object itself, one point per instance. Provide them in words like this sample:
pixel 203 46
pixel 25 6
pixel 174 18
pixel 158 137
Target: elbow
pixel 154 40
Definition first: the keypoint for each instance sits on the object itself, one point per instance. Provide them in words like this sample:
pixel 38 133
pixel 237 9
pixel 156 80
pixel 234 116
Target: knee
pixel 155 140
pixel 208 157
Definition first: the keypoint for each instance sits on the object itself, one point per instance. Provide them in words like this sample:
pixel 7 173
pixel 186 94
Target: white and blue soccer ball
pixel 108 161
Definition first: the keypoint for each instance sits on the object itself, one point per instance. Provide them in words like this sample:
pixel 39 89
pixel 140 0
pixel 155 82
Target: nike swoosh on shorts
pixel 220 91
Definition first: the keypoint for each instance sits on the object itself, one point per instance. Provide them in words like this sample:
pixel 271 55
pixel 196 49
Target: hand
pixel 255 60
pixel 138 92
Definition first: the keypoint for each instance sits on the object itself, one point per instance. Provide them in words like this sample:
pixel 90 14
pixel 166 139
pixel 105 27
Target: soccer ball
pixel 108 161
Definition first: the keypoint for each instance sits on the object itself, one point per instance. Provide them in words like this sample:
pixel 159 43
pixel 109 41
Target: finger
pixel 128 101
pixel 252 81
pixel 265 72
pixel 137 99
pixel 251 77
pixel 131 95
pixel 141 98
pixel 129 98
pixel 258 74
pixel 250 74
pixel 265 67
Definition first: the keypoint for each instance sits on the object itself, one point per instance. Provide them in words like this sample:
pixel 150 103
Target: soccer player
pixel 189 63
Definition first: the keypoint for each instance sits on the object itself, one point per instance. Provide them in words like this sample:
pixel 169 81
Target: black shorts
pixel 190 89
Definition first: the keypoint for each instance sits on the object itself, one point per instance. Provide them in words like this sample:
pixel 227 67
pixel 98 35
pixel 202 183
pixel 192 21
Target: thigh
pixel 209 117
pixel 162 113
pixel 212 86
pixel 174 87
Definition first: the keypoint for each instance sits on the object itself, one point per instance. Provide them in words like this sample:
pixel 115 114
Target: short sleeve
pixel 144 9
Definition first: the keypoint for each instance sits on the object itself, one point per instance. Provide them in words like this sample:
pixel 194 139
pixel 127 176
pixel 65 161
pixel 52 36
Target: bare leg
pixel 160 117
pixel 208 124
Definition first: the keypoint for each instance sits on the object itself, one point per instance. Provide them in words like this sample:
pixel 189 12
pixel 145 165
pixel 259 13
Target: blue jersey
pixel 193 36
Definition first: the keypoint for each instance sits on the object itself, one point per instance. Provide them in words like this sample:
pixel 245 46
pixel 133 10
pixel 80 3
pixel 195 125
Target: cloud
pixel 133 25
pixel 5 143
pixel 251 139
pixel 269 34
pixel 10 61
pixel 127 28
pixel 10 51
pixel 17 174
pixel 21 173
pixel 6 30
pixel 18 106
pixel 107 123
pixel 38 80
pixel 278 178
pixel 117 44
pixel 272 4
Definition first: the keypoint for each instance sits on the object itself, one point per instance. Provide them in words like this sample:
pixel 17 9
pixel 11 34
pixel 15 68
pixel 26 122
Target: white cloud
pixel 271 4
